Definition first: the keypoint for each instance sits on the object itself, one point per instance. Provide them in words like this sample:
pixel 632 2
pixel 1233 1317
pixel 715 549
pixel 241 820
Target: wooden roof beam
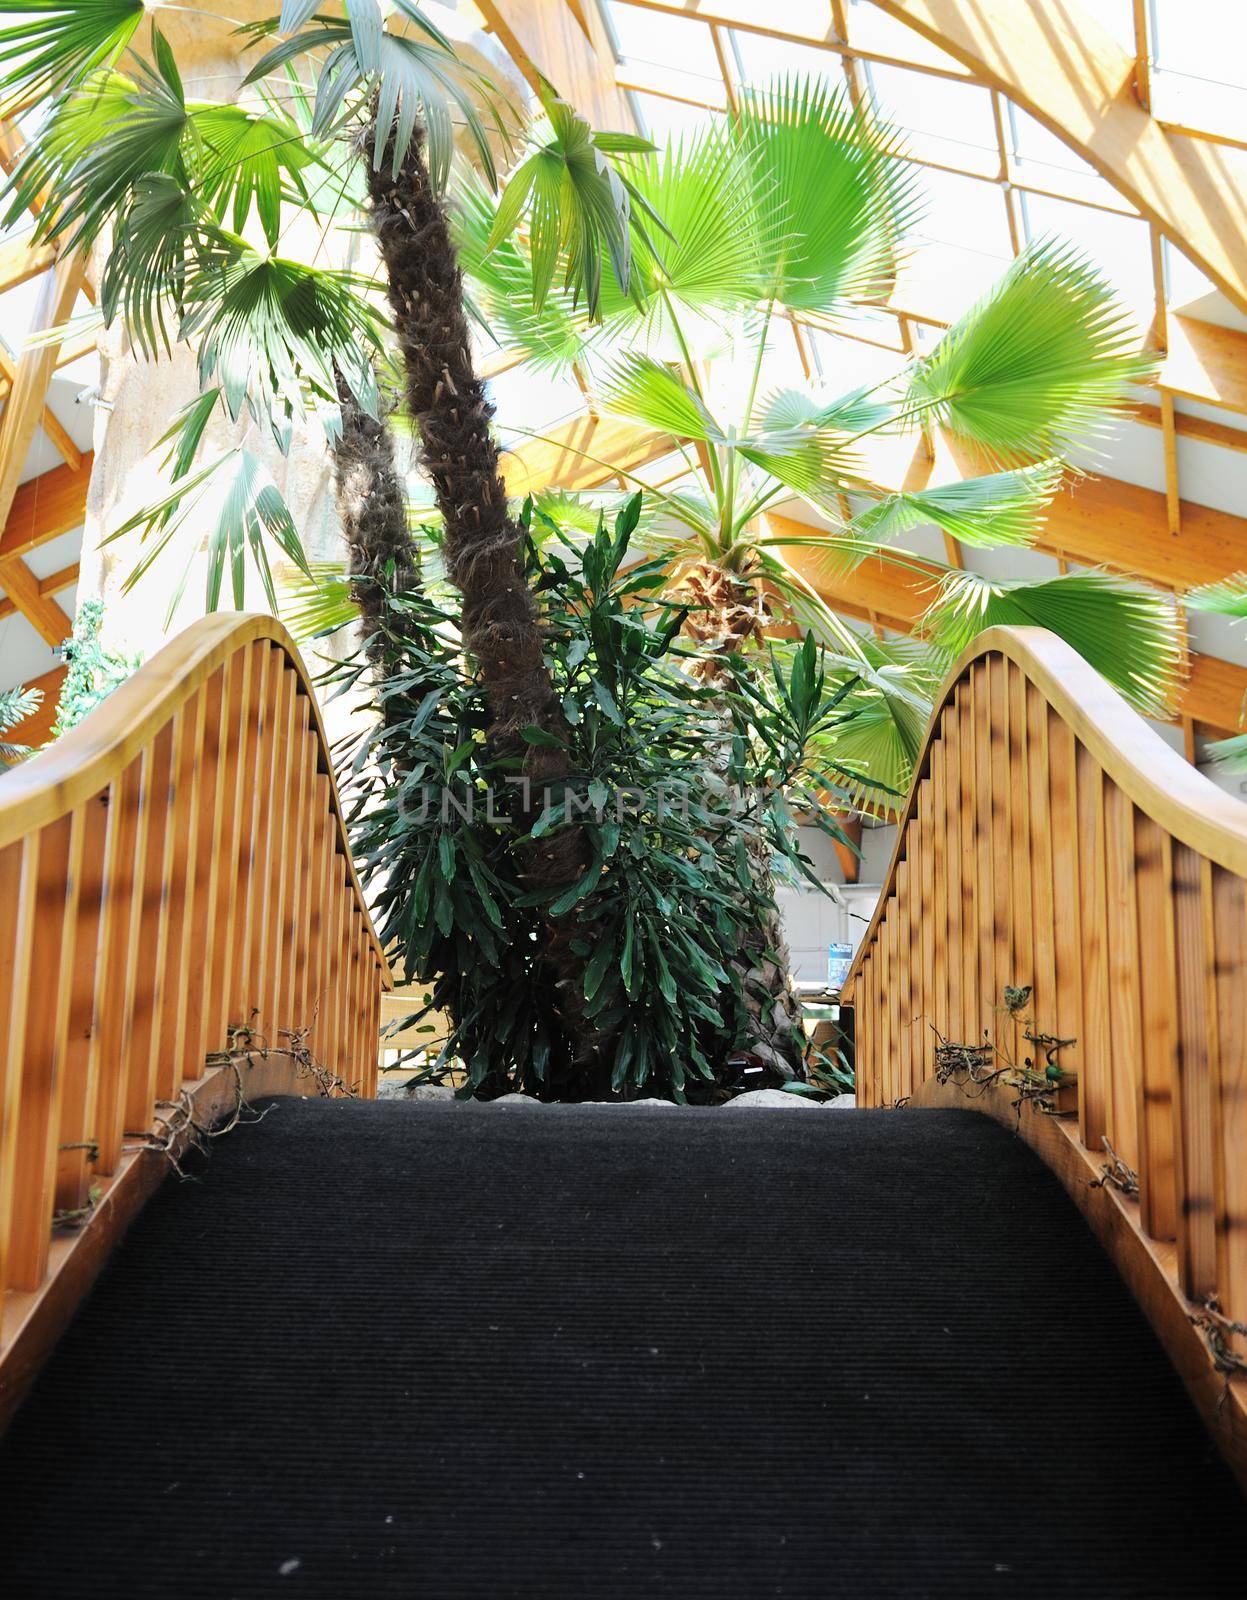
pixel 23 589
pixel 1057 63
pixel 24 406
pixel 45 507
pixel 546 38
pixel 54 583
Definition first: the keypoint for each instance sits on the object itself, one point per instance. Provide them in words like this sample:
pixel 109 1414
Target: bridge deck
pixel 408 1349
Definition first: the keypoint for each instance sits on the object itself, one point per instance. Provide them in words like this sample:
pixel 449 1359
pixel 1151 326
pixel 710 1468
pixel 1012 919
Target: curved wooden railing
pixel 1052 840
pixel 172 871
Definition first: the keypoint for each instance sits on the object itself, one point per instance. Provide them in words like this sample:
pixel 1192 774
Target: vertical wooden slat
pixel 973 1019
pixel 259 947
pixel 1159 1003
pixel 1020 862
pixel 904 998
pixel 78 1079
pixel 1192 1144
pixel 1066 1020
pixel 1124 1002
pixel 294 874
pixel 1093 1056
pixel 254 764
pixel 234 785
pixel 11 963
pixel 958 1028
pixel 1003 968
pixel 181 946
pixel 937 869
pixel 115 965
pixel 206 867
pixel 312 1008
pixel 1229 912
pixel 985 868
pixel 275 873
pixel 931 937
pixel 46 902
pixel 1040 847
pixel 142 1032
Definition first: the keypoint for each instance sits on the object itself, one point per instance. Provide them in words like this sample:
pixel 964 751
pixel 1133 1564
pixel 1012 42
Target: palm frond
pixel 579 205
pixel 316 602
pixel 414 78
pixel 832 197
pixel 1046 359
pixel 1227 597
pixel 235 497
pixel 1230 754
pixel 15 706
pixel 997 509
pixel 650 393
pixel 54 45
pixel 1130 634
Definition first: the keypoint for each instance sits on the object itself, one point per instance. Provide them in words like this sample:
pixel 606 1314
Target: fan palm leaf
pixel 55 46
pixel 832 198
pixel 1045 360
pixel 1130 634
pixel 997 509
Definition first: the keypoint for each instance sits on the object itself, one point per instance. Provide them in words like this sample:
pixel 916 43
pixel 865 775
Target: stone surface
pixel 843 1102
pixel 768 1099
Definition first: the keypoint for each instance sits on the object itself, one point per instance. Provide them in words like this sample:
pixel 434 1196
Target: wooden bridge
pixel 391 1348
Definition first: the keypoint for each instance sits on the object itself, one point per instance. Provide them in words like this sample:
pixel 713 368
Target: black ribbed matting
pixel 433 1350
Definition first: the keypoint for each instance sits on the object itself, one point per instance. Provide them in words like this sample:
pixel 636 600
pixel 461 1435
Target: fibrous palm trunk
pixel 730 615
pixel 500 624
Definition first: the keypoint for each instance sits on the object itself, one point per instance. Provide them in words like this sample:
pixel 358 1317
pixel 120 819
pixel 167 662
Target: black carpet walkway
pixel 436 1351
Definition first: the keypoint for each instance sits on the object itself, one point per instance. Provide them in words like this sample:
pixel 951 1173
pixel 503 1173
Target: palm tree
pixel 794 208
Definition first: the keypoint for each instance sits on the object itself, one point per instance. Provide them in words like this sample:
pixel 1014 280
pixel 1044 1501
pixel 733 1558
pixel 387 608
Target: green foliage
pixel 666 887
pixel 94 670
pixel 1042 362
pixel 1130 634
pixel 15 706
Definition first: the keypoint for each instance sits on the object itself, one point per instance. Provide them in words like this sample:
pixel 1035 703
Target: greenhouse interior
pixel 623 755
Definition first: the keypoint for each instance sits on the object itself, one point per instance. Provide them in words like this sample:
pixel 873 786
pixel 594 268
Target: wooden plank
pixel 1153 874
pixel 181 949
pixel 1093 1055
pixel 50 883
pixel 114 964
pixel 45 507
pixel 544 38
pixel 54 583
pixel 142 1023
pixel 1044 1001
pixel 1125 1026
pixel 40 610
pixel 79 1065
pixel 1192 1143
pixel 901 1065
pixel 1229 908
pixel 233 780
pixel 1002 963
pixel 34 370
pixel 205 863
pixel 956 1026
pixel 975 1015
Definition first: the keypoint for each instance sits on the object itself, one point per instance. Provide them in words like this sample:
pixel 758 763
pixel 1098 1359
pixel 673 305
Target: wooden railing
pixel 1053 841
pixel 180 923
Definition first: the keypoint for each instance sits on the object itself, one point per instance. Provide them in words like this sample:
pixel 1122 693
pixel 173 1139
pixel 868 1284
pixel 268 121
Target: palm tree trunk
pixel 500 625
pixel 730 615
pixel 372 504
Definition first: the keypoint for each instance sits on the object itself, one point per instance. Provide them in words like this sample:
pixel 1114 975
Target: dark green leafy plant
pixel 94 670
pixel 667 887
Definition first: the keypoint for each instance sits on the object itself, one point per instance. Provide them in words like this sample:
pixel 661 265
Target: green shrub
pixel 670 801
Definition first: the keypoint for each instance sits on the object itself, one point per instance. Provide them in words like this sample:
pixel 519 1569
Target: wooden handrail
pixel 1053 842
pixel 180 918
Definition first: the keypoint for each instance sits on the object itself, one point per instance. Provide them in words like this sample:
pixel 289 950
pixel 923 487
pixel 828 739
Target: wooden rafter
pixel 547 38
pixel 26 593
pixel 33 371
pixel 54 583
pixel 45 507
